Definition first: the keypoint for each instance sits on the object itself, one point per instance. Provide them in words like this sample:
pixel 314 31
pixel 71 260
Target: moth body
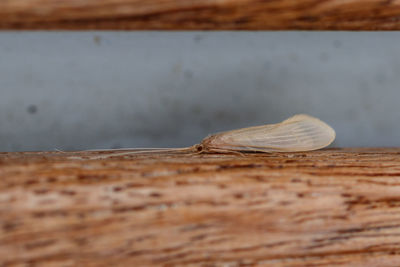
pixel 298 133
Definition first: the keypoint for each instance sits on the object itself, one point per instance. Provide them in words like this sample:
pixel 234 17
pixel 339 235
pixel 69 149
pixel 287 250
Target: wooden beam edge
pixel 333 206
pixel 200 15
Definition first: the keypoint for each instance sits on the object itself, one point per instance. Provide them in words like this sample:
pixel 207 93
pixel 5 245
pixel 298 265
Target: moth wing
pixel 298 133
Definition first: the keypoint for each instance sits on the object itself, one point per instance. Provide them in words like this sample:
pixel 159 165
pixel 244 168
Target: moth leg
pixel 226 151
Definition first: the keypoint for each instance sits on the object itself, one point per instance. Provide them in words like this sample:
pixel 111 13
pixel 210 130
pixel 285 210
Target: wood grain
pixel 329 207
pixel 201 14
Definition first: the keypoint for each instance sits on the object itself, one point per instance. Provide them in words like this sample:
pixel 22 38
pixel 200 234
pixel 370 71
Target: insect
pixel 298 133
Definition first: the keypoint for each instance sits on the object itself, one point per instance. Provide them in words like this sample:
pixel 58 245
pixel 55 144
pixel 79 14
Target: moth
pixel 298 133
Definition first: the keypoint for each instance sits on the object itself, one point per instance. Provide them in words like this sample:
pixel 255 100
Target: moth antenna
pixel 137 151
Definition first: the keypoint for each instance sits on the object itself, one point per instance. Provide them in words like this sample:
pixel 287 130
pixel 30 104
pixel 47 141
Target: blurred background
pixel 92 90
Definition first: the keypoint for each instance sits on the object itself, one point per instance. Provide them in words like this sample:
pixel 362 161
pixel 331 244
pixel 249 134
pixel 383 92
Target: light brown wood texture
pixel 201 14
pixel 331 207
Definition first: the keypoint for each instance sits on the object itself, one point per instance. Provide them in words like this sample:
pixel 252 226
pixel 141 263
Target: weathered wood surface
pixel 201 14
pixel 333 207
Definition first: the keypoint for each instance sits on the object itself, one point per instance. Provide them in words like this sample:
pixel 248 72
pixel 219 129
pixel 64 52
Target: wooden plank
pixel 333 207
pixel 201 14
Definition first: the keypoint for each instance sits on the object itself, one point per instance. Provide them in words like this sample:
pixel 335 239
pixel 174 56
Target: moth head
pixel 199 148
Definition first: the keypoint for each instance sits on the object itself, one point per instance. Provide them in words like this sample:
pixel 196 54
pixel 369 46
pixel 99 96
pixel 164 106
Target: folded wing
pixel 298 133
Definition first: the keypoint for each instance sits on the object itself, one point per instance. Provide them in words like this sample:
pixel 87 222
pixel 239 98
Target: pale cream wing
pixel 298 133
